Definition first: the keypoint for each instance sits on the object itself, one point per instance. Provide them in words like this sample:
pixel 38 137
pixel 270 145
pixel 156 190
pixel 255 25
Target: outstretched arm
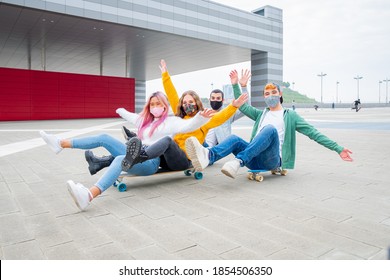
pixel 128 116
pixel 187 125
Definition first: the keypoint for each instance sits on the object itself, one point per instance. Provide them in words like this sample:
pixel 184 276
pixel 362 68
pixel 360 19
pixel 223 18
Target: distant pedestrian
pixel 293 105
pixel 316 107
pixel 333 105
pixel 356 105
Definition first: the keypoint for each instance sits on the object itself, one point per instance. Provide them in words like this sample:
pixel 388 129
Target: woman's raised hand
pixel 163 66
pixel 207 113
pixel 240 100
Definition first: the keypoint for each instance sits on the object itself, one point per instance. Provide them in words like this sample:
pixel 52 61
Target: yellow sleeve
pixel 170 91
pixel 220 117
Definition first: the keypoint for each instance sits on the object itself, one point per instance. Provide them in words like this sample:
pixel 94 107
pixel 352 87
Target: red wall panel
pixel 43 95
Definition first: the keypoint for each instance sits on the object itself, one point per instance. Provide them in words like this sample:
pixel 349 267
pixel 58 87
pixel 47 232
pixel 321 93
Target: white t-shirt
pixel 274 118
pixel 211 138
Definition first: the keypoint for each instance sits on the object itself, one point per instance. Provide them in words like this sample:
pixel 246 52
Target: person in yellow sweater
pixel 172 152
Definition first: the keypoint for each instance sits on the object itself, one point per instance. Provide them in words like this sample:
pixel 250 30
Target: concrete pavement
pixel 323 209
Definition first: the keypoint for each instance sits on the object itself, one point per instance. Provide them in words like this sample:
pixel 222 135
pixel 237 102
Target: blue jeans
pixel 261 153
pixel 118 150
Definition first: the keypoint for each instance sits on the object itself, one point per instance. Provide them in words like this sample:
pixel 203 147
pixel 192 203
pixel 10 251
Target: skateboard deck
pixel 123 187
pixel 256 174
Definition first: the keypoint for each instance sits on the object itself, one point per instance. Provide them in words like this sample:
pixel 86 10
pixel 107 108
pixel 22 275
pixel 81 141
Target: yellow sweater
pixel 216 120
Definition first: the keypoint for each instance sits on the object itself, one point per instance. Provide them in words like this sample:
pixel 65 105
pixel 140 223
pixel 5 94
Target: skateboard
pixel 255 174
pixel 121 186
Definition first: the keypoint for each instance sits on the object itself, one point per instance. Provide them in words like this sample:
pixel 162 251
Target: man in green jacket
pixel 273 140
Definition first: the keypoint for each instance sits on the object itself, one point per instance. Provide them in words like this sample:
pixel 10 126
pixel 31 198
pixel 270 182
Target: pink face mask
pixel 157 111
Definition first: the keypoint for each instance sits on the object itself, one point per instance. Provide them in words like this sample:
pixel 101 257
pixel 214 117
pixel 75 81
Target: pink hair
pixel 147 118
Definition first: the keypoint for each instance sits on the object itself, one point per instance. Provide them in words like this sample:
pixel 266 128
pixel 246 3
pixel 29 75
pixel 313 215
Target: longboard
pixel 123 187
pixel 255 174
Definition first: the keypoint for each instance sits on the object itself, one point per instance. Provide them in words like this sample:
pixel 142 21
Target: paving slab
pixel 323 209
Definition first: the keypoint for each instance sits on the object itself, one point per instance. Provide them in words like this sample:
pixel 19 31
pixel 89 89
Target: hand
pixel 245 75
pixel 119 110
pixel 207 113
pixel 233 77
pixel 345 155
pixel 240 100
pixel 163 66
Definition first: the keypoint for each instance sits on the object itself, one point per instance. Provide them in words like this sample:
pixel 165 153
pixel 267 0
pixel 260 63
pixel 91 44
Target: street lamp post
pixel 337 91
pixel 321 76
pixel 387 80
pixel 380 82
pixel 357 78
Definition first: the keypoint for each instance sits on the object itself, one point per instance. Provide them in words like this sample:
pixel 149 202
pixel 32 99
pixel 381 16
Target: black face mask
pixel 216 104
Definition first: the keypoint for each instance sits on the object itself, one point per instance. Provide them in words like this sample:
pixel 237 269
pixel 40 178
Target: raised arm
pixel 169 88
pixel 222 116
pixel 248 110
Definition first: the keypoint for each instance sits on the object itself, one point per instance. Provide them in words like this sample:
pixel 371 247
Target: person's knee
pixel 104 137
pixel 234 137
pixel 270 128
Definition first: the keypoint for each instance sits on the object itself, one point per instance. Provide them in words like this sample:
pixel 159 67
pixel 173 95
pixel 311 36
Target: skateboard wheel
pixel 198 175
pixel 259 178
pixel 122 187
pixel 116 183
pixel 187 172
pixel 250 176
pixel 273 172
pixel 283 172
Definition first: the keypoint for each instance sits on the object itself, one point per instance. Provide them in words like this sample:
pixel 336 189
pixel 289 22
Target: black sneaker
pixel 133 151
pixel 127 133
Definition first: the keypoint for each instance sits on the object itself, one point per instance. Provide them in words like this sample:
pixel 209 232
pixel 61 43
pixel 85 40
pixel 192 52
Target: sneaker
pixel 80 194
pixel 231 167
pixel 198 154
pixel 127 133
pixel 133 152
pixel 52 141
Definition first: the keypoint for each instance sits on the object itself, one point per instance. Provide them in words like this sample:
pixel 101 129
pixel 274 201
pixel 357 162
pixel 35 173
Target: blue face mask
pixel 272 101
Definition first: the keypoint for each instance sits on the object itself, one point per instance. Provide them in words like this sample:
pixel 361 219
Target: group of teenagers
pixel 194 136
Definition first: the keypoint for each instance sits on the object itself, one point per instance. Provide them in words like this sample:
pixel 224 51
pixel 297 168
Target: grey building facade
pixel 128 38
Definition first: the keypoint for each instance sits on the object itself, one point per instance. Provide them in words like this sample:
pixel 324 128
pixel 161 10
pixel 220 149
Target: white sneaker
pixel 231 167
pixel 80 194
pixel 51 140
pixel 198 154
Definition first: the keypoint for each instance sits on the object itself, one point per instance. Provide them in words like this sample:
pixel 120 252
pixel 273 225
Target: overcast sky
pixel 342 38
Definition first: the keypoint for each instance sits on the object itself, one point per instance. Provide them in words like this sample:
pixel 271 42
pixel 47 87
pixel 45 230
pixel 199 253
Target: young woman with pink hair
pixel 153 124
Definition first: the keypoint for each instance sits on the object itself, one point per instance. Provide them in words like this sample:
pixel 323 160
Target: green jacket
pixel 292 122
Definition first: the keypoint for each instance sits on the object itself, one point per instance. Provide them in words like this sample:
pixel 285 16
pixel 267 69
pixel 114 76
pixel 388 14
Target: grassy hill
pixel 289 95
